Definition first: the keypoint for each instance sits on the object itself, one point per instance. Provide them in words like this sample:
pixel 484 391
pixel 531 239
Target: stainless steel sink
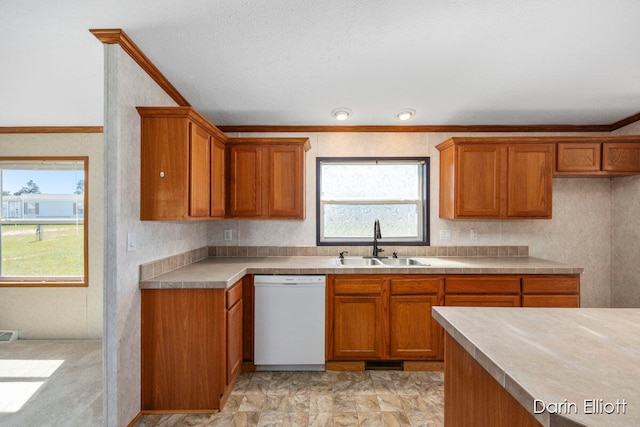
pixel 401 261
pixel 358 261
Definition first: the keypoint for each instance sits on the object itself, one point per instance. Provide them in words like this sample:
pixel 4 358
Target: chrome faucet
pixel 376 235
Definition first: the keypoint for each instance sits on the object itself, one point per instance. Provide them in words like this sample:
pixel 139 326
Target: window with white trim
pixel 354 192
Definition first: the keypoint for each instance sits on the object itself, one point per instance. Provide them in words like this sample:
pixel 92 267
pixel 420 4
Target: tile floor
pixel 367 398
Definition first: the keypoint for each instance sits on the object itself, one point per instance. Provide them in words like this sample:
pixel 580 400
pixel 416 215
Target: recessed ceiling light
pixel 341 114
pixel 405 114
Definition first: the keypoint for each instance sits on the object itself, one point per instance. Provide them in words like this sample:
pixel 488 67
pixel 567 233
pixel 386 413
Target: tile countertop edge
pixel 224 272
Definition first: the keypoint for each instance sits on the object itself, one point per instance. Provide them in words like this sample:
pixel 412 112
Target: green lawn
pixel 59 253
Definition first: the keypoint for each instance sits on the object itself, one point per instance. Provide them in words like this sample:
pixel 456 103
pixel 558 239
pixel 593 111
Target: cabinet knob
pixel 161 174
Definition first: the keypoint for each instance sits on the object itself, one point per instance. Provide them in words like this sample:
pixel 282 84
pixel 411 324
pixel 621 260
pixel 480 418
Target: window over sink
pixel 43 221
pixel 353 192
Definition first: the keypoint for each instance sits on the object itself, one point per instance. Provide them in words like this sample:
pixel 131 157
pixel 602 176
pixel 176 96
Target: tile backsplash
pixel 165 265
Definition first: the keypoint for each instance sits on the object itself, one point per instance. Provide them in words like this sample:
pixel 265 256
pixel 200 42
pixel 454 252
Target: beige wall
pixel 579 233
pixel 626 235
pixel 61 313
pixel 127 86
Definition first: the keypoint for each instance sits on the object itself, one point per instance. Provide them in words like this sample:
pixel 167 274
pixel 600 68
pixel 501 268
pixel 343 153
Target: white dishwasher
pixel 289 322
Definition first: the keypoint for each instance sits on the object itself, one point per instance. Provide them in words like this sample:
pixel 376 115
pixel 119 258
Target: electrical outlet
pixel 473 234
pixel 445 234
pixel 131 242
pixel 228 235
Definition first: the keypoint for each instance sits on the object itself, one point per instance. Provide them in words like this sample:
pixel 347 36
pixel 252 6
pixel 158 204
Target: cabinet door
pixel 199 171
pixel 412 331
pixel 579 157
pixel 245 181
pixel 480 180
pixel 183 363
pixel 358 331
pixel 621 157
pixel 234 340
pixel 164 169
pixel 217 179
pixel 482 300
pixel 530 174
pixel 286 181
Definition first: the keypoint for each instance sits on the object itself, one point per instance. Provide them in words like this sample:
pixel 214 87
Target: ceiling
pixel 291 62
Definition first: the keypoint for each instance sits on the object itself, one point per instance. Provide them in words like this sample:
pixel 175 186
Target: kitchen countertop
pixel 223 272
pixel 581 355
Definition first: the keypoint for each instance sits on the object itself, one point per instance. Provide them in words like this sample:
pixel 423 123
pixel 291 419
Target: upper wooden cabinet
pixel 182 165
pixel 598 156
pixel 266 177
pixel 495 178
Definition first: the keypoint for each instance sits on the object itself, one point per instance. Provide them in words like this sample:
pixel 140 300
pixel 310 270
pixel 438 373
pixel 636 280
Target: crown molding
pixel 118 36
pixel 624 122
pixel 444 128
pixel 51 129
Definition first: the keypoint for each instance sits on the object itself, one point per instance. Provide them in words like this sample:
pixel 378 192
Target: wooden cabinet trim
pixel 304 142
pixel 184 113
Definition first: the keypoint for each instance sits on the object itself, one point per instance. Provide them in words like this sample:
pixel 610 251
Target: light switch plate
pixel 131 242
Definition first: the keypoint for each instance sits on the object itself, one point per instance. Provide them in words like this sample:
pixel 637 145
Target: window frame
pixel 55 281
pixel 425 239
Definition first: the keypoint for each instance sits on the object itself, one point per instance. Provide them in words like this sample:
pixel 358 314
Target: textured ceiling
pixel 291 62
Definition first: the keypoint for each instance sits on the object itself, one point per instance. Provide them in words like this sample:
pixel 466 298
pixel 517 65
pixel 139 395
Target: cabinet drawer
pixel 550 285
pixel 561 301
pixel 234 294
pixel 482 285
pixel 415 286
pixel 357 286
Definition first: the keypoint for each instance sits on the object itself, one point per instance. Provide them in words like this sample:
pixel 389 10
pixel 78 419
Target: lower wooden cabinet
pixel 191 343
pixel 356 318
pixel 388 317
pixel 380 317
pixel 413 333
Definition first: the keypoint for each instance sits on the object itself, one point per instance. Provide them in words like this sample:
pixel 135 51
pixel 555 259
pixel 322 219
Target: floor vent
pixel 388 365
pixel 8 336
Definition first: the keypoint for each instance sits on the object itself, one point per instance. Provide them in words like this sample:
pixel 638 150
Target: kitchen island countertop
pixel 586 356
pixel 223 272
